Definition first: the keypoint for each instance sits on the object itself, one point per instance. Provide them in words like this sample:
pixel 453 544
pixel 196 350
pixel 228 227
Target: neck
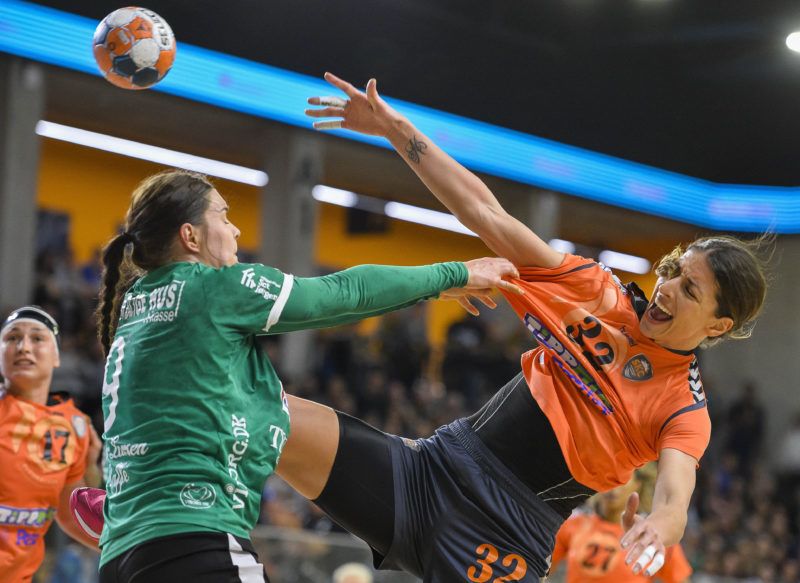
pixel 36 393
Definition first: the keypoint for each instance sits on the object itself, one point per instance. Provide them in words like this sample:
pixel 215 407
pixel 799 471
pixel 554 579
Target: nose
pixel 236 232
pixel 25 344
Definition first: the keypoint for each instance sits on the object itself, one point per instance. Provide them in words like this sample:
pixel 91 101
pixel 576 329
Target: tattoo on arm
pixel 414 148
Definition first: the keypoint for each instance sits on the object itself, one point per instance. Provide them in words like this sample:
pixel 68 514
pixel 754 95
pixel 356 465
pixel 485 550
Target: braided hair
pixel 159 206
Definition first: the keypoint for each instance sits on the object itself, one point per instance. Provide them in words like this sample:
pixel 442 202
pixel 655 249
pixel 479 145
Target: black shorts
pixel 202 557
pixel 458 513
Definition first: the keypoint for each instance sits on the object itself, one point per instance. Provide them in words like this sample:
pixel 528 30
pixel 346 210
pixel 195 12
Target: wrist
pixel 399 130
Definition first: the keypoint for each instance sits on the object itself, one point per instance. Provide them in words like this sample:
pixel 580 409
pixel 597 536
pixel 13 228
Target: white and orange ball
pixel 134 47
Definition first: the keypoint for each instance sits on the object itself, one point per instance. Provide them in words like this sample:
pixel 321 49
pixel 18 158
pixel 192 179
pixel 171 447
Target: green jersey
pixel 195 415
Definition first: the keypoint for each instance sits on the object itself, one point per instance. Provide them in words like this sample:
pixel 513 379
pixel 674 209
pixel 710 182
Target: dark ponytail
pixel 110 291
pixel 159 206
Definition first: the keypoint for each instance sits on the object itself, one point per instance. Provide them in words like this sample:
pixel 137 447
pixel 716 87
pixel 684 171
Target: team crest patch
pixel 79 424
pixel 638 368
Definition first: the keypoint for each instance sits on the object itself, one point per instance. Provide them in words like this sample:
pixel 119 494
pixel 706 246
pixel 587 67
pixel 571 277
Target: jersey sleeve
pixel 249 297
pixel 687 430
pixel 365 291
pixel 676 567
pixel 80 427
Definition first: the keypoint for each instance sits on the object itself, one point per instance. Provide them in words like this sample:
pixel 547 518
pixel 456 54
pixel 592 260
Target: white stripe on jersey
pixel 280 303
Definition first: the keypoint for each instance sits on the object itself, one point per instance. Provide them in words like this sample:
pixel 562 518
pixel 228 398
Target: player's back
pixel 194 414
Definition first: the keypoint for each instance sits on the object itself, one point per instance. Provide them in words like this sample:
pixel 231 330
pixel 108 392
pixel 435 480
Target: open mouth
pixel 658 312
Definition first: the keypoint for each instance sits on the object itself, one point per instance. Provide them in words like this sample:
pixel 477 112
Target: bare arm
pixel 647 538
pixel 463 193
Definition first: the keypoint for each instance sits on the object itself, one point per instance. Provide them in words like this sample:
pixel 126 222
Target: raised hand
pixel 484 275
pixel 363 112
pixel 645 549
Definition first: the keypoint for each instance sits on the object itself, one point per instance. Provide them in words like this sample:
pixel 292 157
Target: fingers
pixel 508 286
pixel 657 563
pixel 467 305
pixel 341 84
pixel 484 297
pixel 325 112
pixel 328 125
pixel 628 516
pixel 372 92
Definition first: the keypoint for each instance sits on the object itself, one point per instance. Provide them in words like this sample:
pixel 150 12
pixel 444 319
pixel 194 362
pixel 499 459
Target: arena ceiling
pixel 704 88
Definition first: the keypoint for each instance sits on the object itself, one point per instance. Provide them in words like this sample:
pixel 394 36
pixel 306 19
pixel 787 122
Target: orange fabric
pixel 590 342
pixel 591 548
pixel 42 449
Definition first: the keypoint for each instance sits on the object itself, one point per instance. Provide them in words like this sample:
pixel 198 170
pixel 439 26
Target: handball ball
pixel 134 47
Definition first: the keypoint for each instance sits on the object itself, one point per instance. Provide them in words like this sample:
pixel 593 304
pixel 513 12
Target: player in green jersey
pixel 195 416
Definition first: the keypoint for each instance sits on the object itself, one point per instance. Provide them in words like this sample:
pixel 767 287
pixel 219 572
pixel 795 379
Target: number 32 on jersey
pixel 488 559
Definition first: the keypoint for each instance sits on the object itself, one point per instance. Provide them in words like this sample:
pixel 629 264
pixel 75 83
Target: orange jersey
pixel 42 448
pixel 614 398
pixel 591 548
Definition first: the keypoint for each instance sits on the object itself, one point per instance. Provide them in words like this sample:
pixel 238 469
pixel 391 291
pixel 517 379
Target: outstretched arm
pixel 646 539
pixel 467 197
pixel 370 290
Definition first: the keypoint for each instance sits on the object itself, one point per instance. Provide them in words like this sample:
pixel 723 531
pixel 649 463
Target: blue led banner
pixel 64 39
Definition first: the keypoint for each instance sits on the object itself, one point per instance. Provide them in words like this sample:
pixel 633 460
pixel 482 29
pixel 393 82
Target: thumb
pixel 372 92
pixel 631 506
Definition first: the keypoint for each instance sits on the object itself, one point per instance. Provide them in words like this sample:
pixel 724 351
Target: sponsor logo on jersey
pixel 117 478
pixel 26 539
pixel 695 383
pixel 160 305
pixel 79 423
pixel 237 491
pixel 115 449
pixel 263 287
pixel 284 400
pixel 638 368
pixel 25 516
pixel 278 438
pixel 411 443
pixel 198 495
pixel 569 364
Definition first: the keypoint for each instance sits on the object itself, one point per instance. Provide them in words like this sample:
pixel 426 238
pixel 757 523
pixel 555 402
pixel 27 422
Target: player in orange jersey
pixel 590 543
pixel 46 444
pixel 614 383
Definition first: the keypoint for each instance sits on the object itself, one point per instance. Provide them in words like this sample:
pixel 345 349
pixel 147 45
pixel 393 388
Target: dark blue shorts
pixel 460 515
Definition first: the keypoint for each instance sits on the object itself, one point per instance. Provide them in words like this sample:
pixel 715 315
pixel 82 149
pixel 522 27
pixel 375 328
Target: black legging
pixel 359 494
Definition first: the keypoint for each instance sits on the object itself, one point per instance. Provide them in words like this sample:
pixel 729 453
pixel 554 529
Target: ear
pixel 57 362
pixel 189 238
pixel 719 326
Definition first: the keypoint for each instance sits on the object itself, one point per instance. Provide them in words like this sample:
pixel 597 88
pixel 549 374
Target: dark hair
pixel 159 206
pixel 739 268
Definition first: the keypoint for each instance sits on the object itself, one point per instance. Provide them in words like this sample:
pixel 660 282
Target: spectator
pixel 352 573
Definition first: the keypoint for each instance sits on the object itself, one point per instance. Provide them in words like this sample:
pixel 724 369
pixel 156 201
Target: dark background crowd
pixel 745 515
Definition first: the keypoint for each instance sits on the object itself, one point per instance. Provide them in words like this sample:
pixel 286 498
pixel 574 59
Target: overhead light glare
pixel 150 153
pixel 562 245
pixel 335 196
pixel 625 262
pixel 793 41
pixel 423 216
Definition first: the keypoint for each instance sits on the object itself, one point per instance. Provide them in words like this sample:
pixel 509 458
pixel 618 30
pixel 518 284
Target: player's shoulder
pixel 62 403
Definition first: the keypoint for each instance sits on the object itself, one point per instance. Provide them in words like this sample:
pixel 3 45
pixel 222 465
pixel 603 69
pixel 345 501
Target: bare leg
pixel 308 456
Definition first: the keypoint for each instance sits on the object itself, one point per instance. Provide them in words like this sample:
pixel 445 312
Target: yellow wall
pixel 94 187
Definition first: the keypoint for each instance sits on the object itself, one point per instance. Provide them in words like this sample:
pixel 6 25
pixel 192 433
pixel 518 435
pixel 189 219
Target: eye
pixel 688 291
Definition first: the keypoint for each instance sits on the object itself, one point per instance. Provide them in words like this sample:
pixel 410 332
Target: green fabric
pixel 364 291
pixel 195 415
